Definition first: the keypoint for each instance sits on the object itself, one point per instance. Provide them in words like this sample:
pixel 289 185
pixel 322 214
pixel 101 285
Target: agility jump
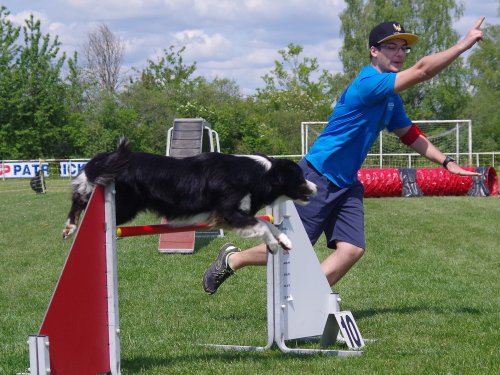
pixel 80 333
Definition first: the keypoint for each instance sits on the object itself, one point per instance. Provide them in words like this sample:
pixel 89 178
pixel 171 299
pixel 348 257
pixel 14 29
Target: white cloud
pixel 261 57
pixel 202 46
pixel 327 53
pixel 20 18
pixel 473 10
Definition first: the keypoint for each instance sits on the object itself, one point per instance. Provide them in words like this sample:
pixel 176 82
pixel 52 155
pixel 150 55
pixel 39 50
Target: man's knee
pixel 352 250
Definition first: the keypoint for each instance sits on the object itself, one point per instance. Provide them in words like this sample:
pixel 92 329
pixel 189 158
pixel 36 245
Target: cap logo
pixel 397 27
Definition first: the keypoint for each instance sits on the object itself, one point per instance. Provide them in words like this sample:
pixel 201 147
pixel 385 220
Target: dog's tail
pixel 103 168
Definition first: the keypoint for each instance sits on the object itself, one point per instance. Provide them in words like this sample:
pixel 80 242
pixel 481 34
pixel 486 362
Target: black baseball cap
pixel 388 31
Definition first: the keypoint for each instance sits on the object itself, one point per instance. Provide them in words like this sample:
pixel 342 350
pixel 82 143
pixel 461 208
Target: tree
pixel 233 117
pixel 104 54
pixel 8 36
pixel 8 51
pixel 34 110
pixel 292 94
pixel 169 71
pixel 440 98
pixel 154 96
pixel 483 106
pixel 290 85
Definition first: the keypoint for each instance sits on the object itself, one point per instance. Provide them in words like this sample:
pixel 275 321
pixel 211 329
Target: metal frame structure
pixel 297 307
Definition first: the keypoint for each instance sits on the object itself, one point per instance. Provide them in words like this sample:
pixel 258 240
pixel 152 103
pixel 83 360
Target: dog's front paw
pixel 273 247
pixel 68 231
pixel 284 241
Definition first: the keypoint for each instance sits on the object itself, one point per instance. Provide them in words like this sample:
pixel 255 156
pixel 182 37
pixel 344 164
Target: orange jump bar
pixel 144 230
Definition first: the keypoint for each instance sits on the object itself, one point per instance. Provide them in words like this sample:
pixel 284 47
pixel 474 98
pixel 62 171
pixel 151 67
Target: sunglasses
pixel 393 48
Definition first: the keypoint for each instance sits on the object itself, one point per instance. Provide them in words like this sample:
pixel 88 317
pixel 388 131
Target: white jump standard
pixel 298 306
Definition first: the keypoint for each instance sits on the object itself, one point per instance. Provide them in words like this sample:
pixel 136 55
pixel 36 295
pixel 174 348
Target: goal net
pixel 452 137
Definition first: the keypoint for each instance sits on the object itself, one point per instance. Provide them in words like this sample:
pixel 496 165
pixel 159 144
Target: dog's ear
pixel 279 172
pixel 288 172
pixel 278 179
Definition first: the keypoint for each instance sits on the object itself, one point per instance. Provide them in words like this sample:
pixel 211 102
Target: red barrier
pixel 492 181
pixel 380 182
pixel 438 181
pixel 386 182
pixel 142 230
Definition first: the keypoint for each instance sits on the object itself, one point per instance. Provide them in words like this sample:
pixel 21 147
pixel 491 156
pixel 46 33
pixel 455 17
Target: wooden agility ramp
pixel 188 137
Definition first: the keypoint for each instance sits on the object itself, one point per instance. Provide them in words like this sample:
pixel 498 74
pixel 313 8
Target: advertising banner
pixel 29 169
pixel 70 168
pixel 22 169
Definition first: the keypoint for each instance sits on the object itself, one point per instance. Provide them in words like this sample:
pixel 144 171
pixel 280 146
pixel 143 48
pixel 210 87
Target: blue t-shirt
pixel 366 107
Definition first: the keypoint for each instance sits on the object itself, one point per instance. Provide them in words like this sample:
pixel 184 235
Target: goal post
pixel 452 137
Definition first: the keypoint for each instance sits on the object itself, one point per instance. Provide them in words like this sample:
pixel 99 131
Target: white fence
pixel 415 160
pixel 452 137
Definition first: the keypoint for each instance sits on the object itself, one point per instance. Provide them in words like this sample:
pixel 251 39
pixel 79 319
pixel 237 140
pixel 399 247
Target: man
pixel 370 104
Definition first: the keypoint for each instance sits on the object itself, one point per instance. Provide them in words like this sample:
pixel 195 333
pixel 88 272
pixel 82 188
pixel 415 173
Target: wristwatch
pixel 446 161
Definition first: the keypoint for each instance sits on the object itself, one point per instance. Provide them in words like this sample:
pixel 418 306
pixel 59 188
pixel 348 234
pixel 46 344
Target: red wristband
pixel 411 135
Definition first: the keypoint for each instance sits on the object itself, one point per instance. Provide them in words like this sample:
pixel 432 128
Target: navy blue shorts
pixel 337 212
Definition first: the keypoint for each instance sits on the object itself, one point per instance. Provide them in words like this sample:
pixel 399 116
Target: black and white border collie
pixel 219 189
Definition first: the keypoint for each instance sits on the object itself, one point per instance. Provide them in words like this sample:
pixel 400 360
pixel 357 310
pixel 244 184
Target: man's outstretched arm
pixel 428 66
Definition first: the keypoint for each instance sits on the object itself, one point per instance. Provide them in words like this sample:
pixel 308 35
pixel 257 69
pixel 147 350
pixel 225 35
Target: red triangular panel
pixel 77 318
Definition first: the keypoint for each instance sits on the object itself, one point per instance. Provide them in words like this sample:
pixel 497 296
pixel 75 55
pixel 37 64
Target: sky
pixel 234 39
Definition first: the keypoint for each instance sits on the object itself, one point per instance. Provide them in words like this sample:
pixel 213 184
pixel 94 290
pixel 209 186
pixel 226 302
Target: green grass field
pixel 427 288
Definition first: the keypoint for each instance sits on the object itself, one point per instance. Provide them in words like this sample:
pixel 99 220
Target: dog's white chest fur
pixel 246 203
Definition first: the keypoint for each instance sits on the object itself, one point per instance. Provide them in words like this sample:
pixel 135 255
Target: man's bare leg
pixel 336 265
pixel 255 256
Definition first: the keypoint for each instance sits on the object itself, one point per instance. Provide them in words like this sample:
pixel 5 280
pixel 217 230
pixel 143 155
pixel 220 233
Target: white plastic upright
pixel 304 289
pixel 303 299
pixel 112 280
pixel 39 355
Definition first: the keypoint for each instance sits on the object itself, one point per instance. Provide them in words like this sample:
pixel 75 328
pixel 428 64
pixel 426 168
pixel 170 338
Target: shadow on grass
pixel 173 362
pixel 362 314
